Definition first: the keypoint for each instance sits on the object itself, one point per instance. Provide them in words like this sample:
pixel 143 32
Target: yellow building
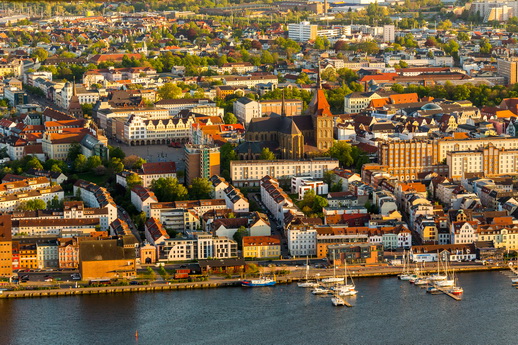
pixel 28 255
pixel 502 237
pixel 6 243
pixel 201 161
pixel 261 247
pixel 108 259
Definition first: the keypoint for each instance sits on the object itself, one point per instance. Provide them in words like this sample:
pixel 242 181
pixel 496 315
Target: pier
pixel 446 292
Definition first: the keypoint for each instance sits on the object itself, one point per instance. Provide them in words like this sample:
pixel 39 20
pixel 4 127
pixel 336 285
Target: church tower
pixel 74 107
pixel 323 121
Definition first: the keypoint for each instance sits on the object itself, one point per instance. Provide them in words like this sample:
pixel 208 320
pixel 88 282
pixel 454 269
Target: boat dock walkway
pixel 446 292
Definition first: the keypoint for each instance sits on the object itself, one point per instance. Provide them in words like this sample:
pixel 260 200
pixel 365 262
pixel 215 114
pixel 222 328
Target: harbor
pixel 384 308
pixel 217 282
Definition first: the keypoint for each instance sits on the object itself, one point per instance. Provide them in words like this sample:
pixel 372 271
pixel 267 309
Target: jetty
pixel 446 292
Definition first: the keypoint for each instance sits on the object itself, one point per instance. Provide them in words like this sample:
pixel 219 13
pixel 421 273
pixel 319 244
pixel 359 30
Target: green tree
pixel 169 91
pixel 342 150
pixel 80 163
pixel 485 46
pixel 55 204
pixel 227 154
pixel 229 118
pixel 463 36
pixel 32 205
pixel 133 162
pixel 116 165
pixel 267 57
pixel 168 189
pixel 116 152
pixel 200 188
pixel 32 163
pixel 133 180
pixel 73 152
pixel 239 234
pixel 40 53
pixel 266 154
pixel 93 162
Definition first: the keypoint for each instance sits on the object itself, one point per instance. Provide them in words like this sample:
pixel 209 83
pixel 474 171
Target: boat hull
pixel 252 283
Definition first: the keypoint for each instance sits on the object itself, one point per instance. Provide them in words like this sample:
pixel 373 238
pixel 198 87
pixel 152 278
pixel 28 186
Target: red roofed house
pixel 154 171
pixel 261 247
pixel 155 231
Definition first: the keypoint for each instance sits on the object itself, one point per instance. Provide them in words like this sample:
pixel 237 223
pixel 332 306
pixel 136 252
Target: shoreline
pixel 200 285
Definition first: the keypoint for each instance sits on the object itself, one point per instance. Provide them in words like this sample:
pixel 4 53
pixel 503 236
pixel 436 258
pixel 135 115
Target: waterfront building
pixel 261 247
pixel 201 246
pixel 355 253
pixel 6 245
pixel 108 259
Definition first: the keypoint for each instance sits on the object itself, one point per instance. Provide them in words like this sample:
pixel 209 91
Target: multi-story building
pixel 174 106
pixel 237 67
pixel 202 246
pixel 96 196
pixel 508 68
pixel 250 173
pixel 292 107
pixel 6 244
pixel 274 198
pixel 28 255
pixel 302 240
pixel 140 130
pixel 142 198
pixel 246 109
pixel 389 33
pixel 405 159
pixel 302 32
pixel 357 101
pixel 155 232
pixel 356 253
pixel 201 161
pixel 261 247
pixel 11 202
pixel 68 252
pixel 250 81
pixel 302 184
pixel 234 199
pixel 47 254
pixel 57 226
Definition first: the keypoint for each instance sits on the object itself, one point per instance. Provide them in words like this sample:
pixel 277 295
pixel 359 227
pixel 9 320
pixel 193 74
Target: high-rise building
pixel 201 161
pixel 302 32
pixel 389 34
pixel 508 68
pixel 6 243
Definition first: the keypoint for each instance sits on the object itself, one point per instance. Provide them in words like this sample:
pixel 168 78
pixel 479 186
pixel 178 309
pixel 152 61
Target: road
pixel 122 214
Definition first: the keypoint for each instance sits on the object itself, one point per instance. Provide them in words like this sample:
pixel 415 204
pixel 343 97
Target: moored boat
pixel 337 301
pixel 320 291
pixel 258 282
pixel 456 291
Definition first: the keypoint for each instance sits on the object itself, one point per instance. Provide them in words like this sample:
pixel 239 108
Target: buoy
pixel 136 334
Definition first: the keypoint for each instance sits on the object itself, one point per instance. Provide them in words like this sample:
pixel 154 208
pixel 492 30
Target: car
pixel 133 282
pixel 49 279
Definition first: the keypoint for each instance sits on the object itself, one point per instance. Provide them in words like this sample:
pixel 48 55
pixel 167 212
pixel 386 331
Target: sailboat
pixel 456 289
pixel 337 300
pixel 334 278
pixel 449 281
pixel 308 283
pixel 405 275
pixel 346 289
pixel 437 277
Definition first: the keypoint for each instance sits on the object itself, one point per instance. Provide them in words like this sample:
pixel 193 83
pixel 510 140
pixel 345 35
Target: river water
pixel 385 311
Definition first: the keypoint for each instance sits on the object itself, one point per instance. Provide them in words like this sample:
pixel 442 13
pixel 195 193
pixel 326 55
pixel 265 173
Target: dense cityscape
pixel 183 143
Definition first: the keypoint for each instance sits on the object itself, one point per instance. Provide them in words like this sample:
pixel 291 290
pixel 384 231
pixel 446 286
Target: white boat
pixel 334 278
pixel 421 281
pixel 514 280
pixel 308 283
pixel 320 291
pixel 337 301
pixel 456 290
pixel 406 275
pixel 346 289
pixel 445 283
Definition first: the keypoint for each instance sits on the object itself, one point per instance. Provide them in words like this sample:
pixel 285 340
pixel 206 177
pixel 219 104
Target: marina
pixel 406 315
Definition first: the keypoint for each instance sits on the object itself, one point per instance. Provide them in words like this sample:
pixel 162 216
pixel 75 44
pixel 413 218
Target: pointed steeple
pixel 74 92
pixel 319 80
pixel 283 105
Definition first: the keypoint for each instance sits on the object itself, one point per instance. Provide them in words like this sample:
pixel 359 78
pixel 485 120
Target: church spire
pixel 283 105
pixel 74 92
pixel 319 80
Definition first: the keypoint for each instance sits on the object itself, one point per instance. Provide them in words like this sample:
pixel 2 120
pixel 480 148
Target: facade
pixel 302 241
pixel 108 259
pixel 261 247
pixel 201 161
pixel 356 253
pixel 47 254
pixel 389 33
pixel 302 32
pixel 6 245
pixel 508 68
pixel 246 109
pixel 140 130
pixel 202 246
pixel 250 173
pixel 292 107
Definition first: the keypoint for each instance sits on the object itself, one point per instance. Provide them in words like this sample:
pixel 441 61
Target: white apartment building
pixel 237 67
pixel 250 173
pixel 142 198
pixel 174 106
pixel 202 246
pixel 389 33
pixel 302 241
pixel 491 161
pixel 96 196
pixel 250 81
pixel 143 131
pixel 234 199
pixel 55 226
pixel 302 32
pixel 246 109
pixel 302 184
pixel 274 198
pixel 47 254
pixel 10 202
pixel 357 101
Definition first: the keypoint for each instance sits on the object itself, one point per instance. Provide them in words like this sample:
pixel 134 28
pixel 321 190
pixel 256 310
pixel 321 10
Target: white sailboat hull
pixel 333 280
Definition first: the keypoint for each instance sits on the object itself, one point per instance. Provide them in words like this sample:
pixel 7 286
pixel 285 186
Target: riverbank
pixel 214 283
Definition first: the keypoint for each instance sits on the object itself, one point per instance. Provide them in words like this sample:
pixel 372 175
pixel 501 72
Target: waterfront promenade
pixel 218 282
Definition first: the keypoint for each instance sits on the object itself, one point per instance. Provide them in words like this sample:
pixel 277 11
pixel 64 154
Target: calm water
pixel 386 311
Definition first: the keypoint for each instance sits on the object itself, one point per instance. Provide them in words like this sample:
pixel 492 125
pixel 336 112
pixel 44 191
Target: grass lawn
pixel 89 176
